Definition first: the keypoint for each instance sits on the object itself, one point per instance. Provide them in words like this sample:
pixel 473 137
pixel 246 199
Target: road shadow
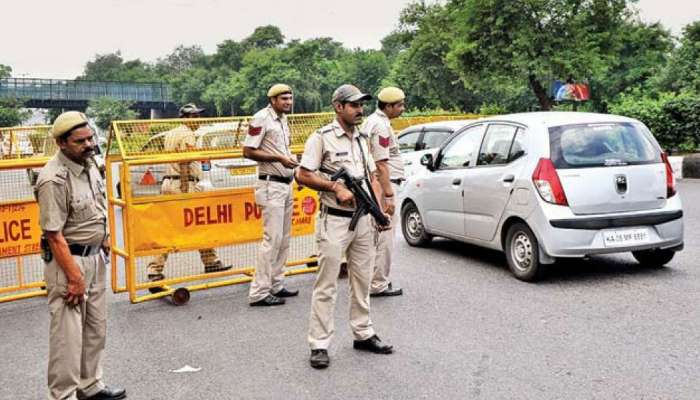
pixel 601 267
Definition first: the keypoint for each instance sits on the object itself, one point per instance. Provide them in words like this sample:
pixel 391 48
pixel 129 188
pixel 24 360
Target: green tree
pixel 365 69
pixel 229 55
pixel 421 69
pixel 5 71
pixel 682 72
pixel 112 67
pixel 264 37
pixel 12 113
pixel 182 59
pixel 533 41
pixel 642 53
pixel 105 110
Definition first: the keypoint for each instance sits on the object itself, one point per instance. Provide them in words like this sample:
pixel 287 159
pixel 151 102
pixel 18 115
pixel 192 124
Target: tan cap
pixel 190 108
pixel 279 89
pixel 66 122
pixel 391 95
pixel 349 93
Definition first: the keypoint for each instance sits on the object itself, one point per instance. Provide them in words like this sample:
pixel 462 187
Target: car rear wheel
pixel 413 228
pixel 522 253
pixel 654 257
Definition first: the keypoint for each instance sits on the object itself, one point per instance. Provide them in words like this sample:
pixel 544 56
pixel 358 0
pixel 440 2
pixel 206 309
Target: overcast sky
pixel 55 38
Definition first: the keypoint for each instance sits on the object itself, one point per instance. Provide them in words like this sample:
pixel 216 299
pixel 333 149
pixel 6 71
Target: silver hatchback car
pixel 548 185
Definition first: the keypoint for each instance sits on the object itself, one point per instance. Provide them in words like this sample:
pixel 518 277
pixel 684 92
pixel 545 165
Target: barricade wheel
pixel 180 296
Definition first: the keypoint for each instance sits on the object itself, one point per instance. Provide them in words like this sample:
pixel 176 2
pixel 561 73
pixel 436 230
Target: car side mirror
pixel 427 160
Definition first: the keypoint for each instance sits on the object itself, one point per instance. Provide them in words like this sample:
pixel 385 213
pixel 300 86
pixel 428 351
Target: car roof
pixel 558 118
pixel 544 118
pixel 451 125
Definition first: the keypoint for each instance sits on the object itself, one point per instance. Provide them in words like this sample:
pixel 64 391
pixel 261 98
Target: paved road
pixel 598 329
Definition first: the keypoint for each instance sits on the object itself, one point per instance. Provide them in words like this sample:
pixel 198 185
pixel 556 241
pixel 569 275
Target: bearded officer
pixel 73 218
pixel 267 142
pixel 337 145
pixel 390 174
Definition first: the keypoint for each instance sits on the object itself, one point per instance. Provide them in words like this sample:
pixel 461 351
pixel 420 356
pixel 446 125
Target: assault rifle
pixel 365 203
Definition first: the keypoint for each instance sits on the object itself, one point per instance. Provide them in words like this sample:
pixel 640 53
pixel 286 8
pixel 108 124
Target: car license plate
pixel 627 237
pixel 242 171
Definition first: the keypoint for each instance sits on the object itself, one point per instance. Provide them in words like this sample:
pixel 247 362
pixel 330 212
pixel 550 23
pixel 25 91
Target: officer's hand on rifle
pixel 389 206
pixel 343 195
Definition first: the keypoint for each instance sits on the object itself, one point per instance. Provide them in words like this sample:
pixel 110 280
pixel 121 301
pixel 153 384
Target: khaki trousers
pixel 385 248
pixel 77 334
pixel 277 202
pixel 208 256
pixel 334 241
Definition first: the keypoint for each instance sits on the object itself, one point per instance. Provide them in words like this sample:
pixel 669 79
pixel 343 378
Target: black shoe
pixel 108 393
pixel 389 291
pixel 343 271
pixel 319 359
pixel 286 293
pixel 270 300
pixel 374 345
pixel 156 278
pixel 217 267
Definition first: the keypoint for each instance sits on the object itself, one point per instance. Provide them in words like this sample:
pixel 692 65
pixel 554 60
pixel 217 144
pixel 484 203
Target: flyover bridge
pixel 75 94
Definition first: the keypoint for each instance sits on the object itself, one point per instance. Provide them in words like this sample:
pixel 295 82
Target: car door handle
pixel 509 178
pixel 456 181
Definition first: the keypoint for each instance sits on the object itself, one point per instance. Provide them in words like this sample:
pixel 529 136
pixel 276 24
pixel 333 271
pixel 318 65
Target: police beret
pixel 68 121
pixel 278 89
pixel 190 108
pixel 391 95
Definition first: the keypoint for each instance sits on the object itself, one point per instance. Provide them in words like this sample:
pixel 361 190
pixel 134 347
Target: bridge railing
pixel 56 89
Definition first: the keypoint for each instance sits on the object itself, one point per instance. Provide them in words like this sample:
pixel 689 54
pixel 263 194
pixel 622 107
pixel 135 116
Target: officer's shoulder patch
pixel 384 141
pixel 254 130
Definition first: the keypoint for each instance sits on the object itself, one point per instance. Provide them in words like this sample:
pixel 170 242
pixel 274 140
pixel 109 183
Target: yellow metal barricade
pixel 219 214
pixel 22 154
pixel 399 124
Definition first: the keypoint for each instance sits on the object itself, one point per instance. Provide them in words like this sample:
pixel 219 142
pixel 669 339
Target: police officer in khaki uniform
pixel 267 143
pixel 340 144
pixel 385 149
pixel 183 178
pixel 73 217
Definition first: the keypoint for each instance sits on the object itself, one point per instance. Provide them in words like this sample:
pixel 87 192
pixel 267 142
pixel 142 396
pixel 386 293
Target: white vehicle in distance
pixel 548 185
pixel 417 140
pixel 224 173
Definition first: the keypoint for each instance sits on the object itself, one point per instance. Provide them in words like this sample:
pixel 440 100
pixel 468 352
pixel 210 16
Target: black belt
pixel 276 178
pixel 397 181
pixel 338 212
pixel 83 250
pixel 191 178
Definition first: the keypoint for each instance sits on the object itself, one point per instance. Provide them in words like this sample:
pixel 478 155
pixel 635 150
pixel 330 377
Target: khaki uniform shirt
pixel 181 138
pixel 269 132
pixel 72 200
pixel 330 148
pixel 383 143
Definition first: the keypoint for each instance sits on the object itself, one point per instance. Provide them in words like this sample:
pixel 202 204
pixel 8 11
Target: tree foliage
pixel 12 113
pixel 458 55
pixel 5 71
pixel 105 110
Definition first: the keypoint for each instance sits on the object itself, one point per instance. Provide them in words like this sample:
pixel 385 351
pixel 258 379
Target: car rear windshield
pixel 601 145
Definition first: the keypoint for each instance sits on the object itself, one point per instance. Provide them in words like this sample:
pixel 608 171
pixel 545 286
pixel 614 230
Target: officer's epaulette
pixel 325 130
pixel 61 175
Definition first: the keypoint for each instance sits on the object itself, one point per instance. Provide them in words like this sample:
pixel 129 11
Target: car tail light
pixel 547 182
pixel 670 178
